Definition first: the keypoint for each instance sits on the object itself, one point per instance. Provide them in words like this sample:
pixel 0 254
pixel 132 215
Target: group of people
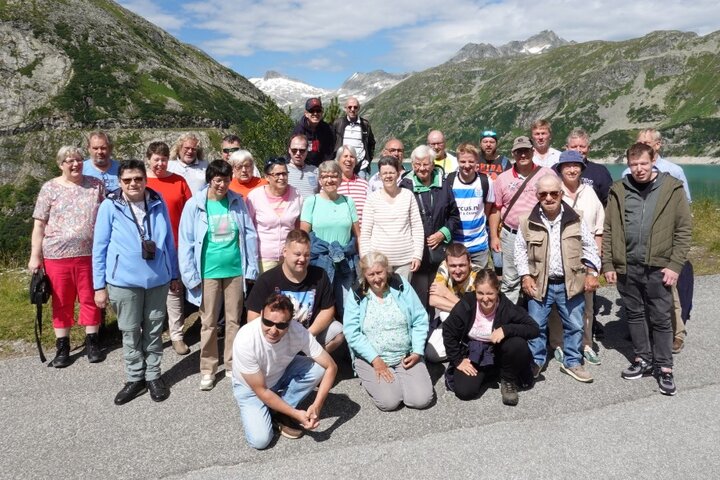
pixel 473 259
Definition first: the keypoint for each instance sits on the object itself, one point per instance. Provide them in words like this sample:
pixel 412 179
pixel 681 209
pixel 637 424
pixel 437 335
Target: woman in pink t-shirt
pixel 484 333
pixel 275 210
pixel 62 239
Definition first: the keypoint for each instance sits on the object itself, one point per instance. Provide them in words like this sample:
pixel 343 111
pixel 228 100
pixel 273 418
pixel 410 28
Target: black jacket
pixel 368 139
pixel 516 322
pixel 320 141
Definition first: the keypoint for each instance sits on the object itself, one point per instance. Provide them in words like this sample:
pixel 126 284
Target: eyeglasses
pixel 296 151
pixel 554 194
pixel 70 161
pixel 243 166
pixel 189 149
pixel 217 181
pixel 230 150
pixel 352 107
pixel 274 161
pixel 277 174
pixel 128 181
pixel 330 176
pixel 278 325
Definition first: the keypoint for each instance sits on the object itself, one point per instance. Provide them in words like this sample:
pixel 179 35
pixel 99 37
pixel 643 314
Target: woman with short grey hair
pixel 351 184
pixel 243 168
pixel 332 221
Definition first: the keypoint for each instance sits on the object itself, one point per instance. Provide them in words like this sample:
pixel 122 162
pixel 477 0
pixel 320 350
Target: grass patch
pixel 705 250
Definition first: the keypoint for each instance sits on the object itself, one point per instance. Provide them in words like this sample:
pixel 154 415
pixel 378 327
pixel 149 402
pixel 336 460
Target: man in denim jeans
pixel 646 239
pixel 270 379
pixel 557 259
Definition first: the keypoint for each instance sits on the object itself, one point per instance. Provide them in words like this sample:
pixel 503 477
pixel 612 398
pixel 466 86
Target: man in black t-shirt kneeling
pixel 308 288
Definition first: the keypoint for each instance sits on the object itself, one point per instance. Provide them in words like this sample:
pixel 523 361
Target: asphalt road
pixel 63 423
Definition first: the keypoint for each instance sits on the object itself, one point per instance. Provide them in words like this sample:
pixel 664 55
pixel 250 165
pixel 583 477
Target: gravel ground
pixel 63 423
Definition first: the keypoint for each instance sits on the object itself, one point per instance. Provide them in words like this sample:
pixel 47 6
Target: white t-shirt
pixel 252 353
pixel 551 158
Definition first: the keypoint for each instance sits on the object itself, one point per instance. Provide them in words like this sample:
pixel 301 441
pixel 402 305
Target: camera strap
pixel 137 225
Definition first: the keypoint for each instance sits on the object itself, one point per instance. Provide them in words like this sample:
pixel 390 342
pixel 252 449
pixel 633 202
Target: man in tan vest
pixel 552 275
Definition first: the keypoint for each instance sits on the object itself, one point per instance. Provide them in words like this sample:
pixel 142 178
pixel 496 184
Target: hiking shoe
pixel 509 393
pixel 207 382
pixel 666 382
pixel 62 357
pixel 638 369
pixel 577 372
pixel 180 347
pixel 678 345
pixel 590 356
pixel 92 348
pixel 559 354
pixel 288 427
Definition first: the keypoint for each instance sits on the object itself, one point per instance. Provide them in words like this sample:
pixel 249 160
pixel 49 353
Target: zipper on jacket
pixel 117 260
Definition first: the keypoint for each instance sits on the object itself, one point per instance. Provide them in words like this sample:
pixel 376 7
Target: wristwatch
pixel 593 273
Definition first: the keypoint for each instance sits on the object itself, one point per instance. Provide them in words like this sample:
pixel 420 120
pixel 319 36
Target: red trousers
pixel 71 279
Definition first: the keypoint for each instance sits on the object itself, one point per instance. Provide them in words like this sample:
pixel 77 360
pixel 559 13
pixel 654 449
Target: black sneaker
pixel 598 330
pixel 666 382
pixel 637 369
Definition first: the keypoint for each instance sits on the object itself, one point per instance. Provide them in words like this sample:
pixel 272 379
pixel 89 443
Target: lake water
pixel 704 180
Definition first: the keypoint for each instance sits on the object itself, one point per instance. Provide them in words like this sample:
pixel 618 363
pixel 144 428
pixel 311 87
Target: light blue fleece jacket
pixel 408 301
pixel 117 252
pixel 192 232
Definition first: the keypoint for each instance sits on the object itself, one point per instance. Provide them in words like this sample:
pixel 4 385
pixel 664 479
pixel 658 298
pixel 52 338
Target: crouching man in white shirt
pixel 270 379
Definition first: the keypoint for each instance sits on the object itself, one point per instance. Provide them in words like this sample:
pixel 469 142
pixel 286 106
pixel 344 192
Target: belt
pixel 511 230
pixel 556 280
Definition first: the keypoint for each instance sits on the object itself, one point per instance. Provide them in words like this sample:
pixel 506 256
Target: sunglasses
pixel 230 150
pixel 352 107
pixel 554 194
pixel 315 111
pixel 128 181
pixel 295 151
pixel 278 325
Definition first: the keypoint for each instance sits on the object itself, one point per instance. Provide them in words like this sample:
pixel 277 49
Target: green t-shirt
pixel 331 220
pixel 221 252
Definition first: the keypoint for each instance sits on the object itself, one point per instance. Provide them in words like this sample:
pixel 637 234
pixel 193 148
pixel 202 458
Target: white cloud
pixel 578 20
pixel 153 13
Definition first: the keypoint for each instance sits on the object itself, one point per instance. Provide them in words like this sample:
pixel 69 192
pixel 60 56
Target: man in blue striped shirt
pixel 474 197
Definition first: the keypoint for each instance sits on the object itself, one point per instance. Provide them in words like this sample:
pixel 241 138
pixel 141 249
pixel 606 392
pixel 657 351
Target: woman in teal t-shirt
pixel 217 253
pixel 333 220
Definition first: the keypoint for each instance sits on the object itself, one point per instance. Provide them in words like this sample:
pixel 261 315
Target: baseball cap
pixel 521 142
pixel 313 103
pixel 489 133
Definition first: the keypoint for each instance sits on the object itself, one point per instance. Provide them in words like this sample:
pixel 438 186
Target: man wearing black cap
pixel 491 162
pixel 319 134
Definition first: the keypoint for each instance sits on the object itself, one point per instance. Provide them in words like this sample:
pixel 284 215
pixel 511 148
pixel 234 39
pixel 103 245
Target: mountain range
pixel 291 93
pixel 665 80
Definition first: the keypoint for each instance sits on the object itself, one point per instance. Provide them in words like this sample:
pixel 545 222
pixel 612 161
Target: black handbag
pixel 40 291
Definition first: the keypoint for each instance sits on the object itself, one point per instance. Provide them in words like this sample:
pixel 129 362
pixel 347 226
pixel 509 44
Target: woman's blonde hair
pixel 66 152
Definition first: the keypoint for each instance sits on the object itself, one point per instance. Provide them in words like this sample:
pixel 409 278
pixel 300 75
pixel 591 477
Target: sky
pixel 323 42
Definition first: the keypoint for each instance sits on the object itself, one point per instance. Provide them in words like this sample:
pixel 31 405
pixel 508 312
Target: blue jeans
pixel 571 314
pixel 298 381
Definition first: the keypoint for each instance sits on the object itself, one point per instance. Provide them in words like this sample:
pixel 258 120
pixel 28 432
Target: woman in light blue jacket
pixel 134 264
pixel 218 253
pixel 386 326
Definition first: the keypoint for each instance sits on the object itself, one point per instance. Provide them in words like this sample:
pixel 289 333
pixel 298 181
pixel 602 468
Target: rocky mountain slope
pixel 93 64
pixel 291 93
pixel 665 79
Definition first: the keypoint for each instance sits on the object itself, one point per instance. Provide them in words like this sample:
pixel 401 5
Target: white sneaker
pixel 207 382
pixel 228 373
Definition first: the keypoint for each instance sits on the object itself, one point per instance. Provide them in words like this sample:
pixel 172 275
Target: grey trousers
pixel 412 387
pixel 510 285
pixel 648 303
pixel 140 315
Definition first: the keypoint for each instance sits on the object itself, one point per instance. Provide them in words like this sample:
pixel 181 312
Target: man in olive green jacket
pixel 646 240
